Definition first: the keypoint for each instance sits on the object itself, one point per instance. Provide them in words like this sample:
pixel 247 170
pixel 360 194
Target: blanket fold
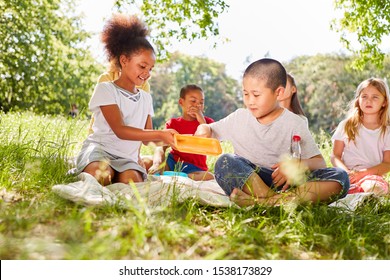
pixel 161 190
pixel 156 191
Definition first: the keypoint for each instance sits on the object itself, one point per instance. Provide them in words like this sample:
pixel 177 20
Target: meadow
pixel 37 151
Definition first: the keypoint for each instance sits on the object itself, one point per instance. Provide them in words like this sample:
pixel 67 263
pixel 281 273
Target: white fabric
pixel 157 192
pixel 352 201
pixel 161 192
pixel 262 144
pixel 134 108
pixel 368 150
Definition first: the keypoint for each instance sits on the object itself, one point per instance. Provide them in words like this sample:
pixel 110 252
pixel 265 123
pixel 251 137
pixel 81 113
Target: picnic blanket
pixel 156 191
pixel 352 201
pixel 160 190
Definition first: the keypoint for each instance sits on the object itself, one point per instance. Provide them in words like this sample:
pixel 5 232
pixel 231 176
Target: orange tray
pixel 197 145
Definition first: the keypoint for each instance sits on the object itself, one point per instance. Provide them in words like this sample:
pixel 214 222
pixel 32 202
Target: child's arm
pixel 158 159
pixel 203 130
pixel 335 158
pixel 379 169
pixel 114 118
pixel 315 162
pixel 197 112
pixel 383 167
pixel 279 177
pixel 148 125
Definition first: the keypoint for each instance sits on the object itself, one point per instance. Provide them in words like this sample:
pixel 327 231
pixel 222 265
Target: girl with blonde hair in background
pixel 361 142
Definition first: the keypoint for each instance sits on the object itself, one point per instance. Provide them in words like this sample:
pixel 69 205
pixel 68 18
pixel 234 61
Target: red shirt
pixel 187 127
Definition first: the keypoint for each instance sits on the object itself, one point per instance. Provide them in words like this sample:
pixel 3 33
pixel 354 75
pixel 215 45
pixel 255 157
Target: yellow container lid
pixel 197 145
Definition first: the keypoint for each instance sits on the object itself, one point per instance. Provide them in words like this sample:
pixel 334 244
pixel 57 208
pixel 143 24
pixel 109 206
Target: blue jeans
pixel 232 171
pixel 185 166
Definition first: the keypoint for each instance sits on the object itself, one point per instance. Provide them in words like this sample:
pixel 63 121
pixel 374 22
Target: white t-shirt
pixel 134 108
pixel 368 148
pixel 262 144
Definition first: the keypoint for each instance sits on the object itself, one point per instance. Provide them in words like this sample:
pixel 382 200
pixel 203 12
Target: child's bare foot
pixel 242 199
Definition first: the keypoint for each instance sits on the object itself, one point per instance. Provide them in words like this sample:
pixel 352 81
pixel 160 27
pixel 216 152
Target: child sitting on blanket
pixel 361 142
pixel 191 102
pixel 112 74
pixel 123 113
pixel 261 135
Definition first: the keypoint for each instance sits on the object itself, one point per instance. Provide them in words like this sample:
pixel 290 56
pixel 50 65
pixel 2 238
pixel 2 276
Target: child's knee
pixel 224 162
pixel 337 175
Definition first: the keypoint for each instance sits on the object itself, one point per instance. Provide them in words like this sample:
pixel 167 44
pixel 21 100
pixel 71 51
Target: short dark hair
pixel 270 70
pixel 184 90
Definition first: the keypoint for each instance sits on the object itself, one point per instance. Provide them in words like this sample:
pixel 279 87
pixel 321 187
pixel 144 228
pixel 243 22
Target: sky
pixel 283 29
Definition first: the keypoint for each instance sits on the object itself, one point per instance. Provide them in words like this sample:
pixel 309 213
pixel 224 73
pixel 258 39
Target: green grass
pixel 37 224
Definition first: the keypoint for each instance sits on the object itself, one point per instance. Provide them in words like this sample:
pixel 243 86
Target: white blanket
pixel 161 190
pixel 352 201
pixel 157 191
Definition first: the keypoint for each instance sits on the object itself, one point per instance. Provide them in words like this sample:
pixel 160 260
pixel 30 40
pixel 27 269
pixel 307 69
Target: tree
pixel 369 22
pixel 178 19
pixel 44 64
pixel 326 86
pixel 221 91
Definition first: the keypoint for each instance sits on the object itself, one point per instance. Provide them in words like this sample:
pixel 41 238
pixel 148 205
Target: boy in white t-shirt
pixel 261 134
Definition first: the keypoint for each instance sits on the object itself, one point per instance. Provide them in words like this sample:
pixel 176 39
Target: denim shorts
pixel 183 166
pixel 232 171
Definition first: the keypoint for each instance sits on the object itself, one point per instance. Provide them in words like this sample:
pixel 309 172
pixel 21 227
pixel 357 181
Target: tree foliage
pixel 366 21
pixel 221 91
pixel 44 64
pixel 326 85
pixel 178 19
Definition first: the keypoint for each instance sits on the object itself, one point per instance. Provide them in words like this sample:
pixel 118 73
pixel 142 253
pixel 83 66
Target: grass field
pixel 37 224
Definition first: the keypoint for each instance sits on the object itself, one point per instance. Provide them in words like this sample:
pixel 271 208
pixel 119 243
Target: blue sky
pixel 283 28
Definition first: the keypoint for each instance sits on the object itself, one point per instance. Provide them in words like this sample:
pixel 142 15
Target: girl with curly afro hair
pixel 122 111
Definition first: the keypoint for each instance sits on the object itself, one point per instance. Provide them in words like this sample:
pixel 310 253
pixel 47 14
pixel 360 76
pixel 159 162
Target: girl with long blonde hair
pixel 361 142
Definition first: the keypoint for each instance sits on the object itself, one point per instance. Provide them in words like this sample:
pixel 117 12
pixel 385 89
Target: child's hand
pixel 141 162
pixel 167 137
pixel 156 168
pixel 196 112
pixel 292 171
pixel 356 176
pixel 278 177
pixel 203 130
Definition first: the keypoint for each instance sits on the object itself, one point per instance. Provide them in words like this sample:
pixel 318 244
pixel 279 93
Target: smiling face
pixel 259 99
pixel 136 68
pixel 371 100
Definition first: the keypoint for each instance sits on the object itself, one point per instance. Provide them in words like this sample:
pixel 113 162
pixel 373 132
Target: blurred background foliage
pixel 45 65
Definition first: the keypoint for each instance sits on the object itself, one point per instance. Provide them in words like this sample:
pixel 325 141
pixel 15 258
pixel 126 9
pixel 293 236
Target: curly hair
pixel 124 35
